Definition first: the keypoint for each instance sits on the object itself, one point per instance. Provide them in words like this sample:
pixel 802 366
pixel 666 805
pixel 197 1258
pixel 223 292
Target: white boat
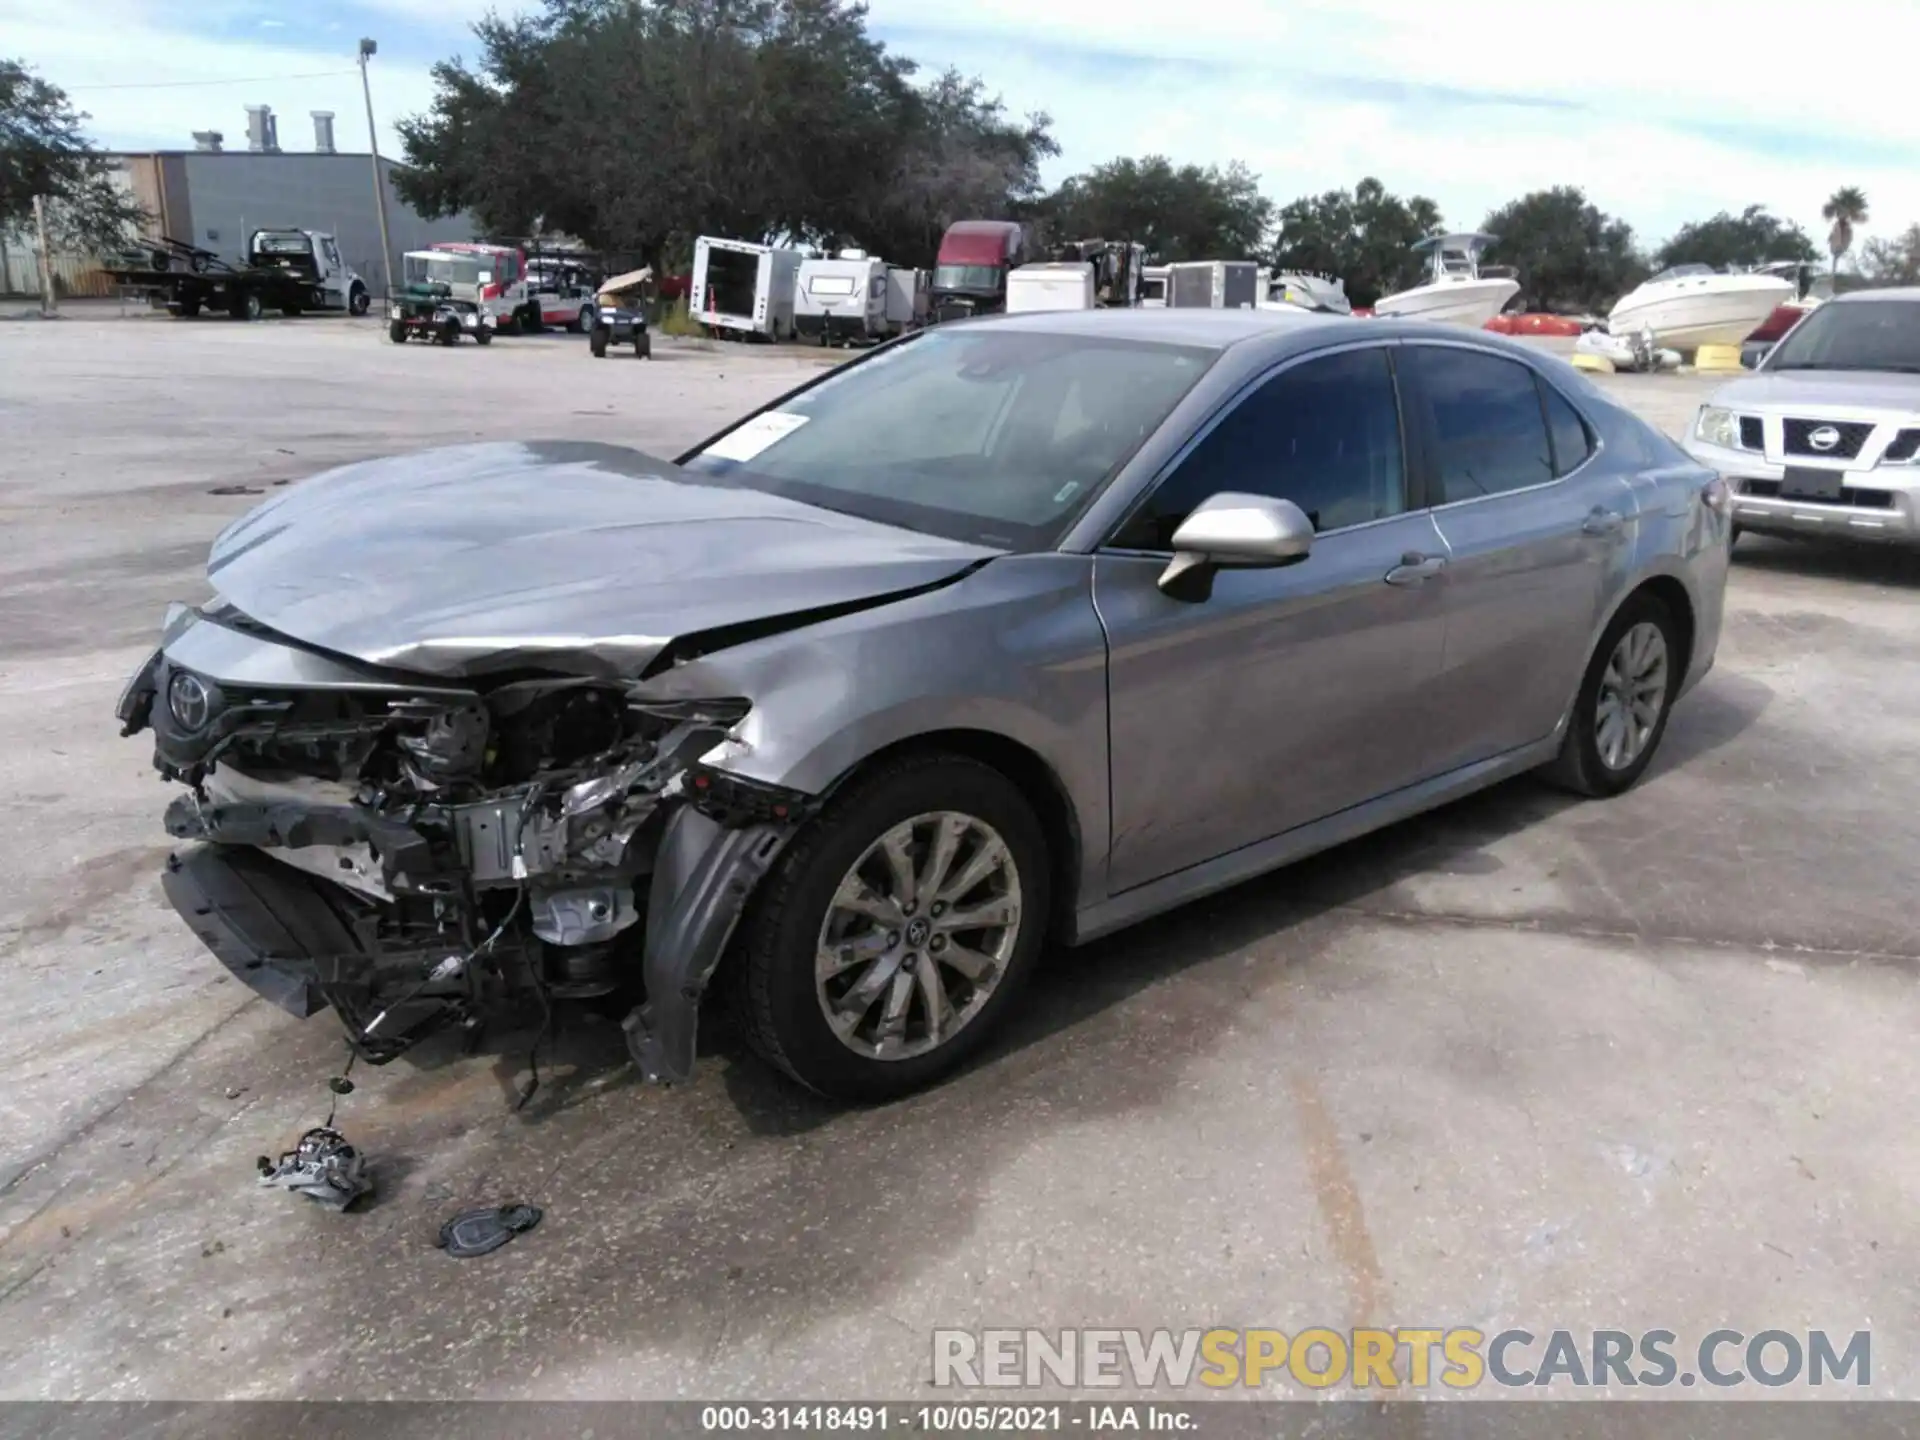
pixel 1459 290
pixel 1301 290
pixel 1688 306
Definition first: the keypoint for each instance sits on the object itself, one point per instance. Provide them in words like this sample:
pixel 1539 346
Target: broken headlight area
pixel 414 859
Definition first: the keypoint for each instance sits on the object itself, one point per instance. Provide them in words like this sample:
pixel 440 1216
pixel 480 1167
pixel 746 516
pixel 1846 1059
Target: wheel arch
pixel 1038 782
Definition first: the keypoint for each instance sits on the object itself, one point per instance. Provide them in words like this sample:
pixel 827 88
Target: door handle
pixel 1602 521
pixel 1415 568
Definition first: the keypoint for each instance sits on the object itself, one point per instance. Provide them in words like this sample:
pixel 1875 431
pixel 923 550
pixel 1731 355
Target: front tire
pixel 1620 714
pixel 397 333
pixel 358 300
pixel 597 341
pixel 897 931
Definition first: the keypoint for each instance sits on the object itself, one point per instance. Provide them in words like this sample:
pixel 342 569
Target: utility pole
pixel 49 303
pixel 368 49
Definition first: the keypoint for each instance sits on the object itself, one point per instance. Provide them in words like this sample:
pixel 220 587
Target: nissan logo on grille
pixel 1825 438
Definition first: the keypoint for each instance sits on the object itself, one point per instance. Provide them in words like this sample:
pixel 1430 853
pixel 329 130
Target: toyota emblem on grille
pixel 1825 438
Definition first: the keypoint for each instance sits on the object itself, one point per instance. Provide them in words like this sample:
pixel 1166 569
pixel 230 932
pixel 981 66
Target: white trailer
pixel 906 298
pixel 1153 287
pixel 1050 285
pixel 744 289
pixel 841 300
pixel 1214 285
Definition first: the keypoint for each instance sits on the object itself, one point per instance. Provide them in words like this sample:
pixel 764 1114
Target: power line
pixel 180 84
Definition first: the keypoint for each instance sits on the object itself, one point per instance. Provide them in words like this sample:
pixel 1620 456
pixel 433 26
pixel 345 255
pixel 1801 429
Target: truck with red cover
pixel 970 271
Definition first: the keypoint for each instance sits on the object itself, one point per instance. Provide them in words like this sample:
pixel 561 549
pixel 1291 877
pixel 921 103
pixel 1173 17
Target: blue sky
pixel 1664 110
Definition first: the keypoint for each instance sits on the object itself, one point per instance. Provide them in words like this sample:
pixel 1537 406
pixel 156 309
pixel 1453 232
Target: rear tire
pixel 244 306
pixel 781 1002
pixel 483 336
pixel 1602 760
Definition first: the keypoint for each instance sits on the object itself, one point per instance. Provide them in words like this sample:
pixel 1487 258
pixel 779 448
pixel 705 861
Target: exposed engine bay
pixel 416 854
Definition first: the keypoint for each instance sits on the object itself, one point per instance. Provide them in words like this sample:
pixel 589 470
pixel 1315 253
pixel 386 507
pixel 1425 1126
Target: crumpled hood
pixel 582 557
pixel 1827 389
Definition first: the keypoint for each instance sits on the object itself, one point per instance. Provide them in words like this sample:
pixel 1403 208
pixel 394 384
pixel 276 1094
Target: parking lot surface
pixel 1526 1061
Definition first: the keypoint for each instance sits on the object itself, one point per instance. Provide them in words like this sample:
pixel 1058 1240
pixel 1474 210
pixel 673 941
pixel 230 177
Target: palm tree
pixel 1846 209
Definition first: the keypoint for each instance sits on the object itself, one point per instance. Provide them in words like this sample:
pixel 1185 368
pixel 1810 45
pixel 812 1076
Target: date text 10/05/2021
pixel 947 1419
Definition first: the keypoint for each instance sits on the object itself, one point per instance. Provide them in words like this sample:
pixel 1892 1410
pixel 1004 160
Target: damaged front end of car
pixel 416 853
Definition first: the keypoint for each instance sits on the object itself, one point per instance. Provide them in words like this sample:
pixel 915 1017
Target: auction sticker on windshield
pixel 754 436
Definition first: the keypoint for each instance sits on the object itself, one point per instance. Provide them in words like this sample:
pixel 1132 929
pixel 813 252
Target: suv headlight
pixel 1718 427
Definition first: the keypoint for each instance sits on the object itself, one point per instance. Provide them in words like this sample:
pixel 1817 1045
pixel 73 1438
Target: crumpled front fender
pixel 704 874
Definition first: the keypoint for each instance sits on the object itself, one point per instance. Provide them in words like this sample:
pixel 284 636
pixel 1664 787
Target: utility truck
pixel 292 271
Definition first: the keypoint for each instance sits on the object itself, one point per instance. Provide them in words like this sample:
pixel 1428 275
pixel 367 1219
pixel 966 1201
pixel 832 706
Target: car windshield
pixel 993 437
pixel 1853 335
pixel 442 269
pixel 966 277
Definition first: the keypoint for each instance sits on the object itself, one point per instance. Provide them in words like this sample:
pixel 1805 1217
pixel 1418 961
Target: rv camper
pixel 744 289
pixel 841 300
pixel 1051 285
pixel 1214 285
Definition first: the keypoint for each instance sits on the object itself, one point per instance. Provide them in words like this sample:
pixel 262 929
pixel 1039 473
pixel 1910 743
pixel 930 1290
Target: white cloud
pixel 1652 86
pixel 1313 94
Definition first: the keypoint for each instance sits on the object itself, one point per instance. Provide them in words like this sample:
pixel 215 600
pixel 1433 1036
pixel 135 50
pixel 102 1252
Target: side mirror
pixel 1234 531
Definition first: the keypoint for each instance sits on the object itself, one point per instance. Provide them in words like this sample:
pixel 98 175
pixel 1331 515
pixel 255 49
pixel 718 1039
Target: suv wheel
pixel 897 931
pixel 1625 697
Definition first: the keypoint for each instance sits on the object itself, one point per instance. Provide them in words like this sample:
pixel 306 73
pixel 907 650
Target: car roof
pixel 1903 292
pixel 1207 329
pixel 1259 336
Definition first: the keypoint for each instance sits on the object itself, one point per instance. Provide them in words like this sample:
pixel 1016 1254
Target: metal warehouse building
pixel 213 197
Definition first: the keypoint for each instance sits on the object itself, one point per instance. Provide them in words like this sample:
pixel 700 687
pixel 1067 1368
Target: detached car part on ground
pixel 427 311
pixel 848 722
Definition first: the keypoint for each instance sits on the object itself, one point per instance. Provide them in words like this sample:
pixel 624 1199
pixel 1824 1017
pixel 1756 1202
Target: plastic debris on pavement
pixel 482 1231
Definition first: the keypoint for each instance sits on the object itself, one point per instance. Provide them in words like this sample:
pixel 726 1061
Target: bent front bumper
pixel 396 933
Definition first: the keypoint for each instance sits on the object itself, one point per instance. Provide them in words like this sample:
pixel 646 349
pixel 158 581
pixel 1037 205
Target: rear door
pixel 1532 526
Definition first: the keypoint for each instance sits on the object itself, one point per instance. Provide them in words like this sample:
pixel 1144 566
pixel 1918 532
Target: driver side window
pixel 1324 434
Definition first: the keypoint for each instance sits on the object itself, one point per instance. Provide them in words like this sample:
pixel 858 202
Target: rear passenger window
pixel 1484 415
pixel 1571 442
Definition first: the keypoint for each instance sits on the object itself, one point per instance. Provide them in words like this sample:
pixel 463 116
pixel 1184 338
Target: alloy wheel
pixel 1633 689
pixel 918 935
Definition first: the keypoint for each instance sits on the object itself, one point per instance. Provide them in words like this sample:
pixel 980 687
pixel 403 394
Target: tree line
pixel 636 125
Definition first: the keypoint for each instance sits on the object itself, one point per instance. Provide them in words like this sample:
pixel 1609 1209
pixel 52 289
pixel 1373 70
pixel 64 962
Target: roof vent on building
pixel 323 132
pixel 263 131
pixel 208 141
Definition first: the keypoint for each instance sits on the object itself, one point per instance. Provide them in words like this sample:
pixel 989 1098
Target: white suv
pixel 1824 437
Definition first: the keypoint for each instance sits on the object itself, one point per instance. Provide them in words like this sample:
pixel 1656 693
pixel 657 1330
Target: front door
pixel 1532 531
pixel 1287 694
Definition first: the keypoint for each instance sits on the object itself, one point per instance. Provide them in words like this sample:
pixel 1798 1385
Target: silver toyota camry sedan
pixel 1011 633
